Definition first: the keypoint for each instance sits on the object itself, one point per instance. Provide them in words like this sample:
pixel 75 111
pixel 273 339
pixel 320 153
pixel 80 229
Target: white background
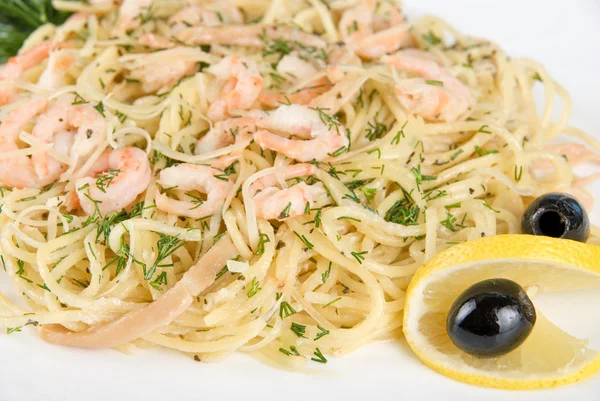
pixel 565 36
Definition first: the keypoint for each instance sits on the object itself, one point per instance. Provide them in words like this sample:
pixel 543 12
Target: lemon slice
pixel 549 357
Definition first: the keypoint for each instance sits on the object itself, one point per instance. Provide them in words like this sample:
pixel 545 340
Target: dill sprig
pixel 19 18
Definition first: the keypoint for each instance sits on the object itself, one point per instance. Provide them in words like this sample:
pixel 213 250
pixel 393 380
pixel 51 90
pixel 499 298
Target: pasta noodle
pixel 403 139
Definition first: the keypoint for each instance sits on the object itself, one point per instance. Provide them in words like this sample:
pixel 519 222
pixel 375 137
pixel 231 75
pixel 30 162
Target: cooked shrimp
pixel 295 69
pixel 75 23
pixel 438 96
pixel 18 172
pixel 372 37
pixel 302 96
pixel 55 74
pixel 247 35
pixel 41 169
pixel 155 75
pixel 242 88
pixel 574 153
pixel 280 204
pixel 242 141
pixel 356 22
pixel 225 13
pixel 16 67
pixel 156 41
pixel 294 171
pixel 224 133
pixel 293 119
pixel 117 178
pixel 83 120
pixel 129 15
pixel 318 149
pixel 192 177
pixel 347 83
pixel 302 122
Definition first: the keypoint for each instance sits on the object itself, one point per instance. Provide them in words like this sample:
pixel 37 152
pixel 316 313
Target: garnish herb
pixel 338 152
pixel 326 273
pixel 440 194
pixel 160 280
pixel 166 245
pixel 434 83
pixel 100 108
pixel 352 185
pixel 293 351
pixel 404 212
pixel 218 237
pixel 348 218
pixel 19 18
pixel 482 152
pixel 376 129
pixel 305 240
pixel 298 329
pixel 319 357
pixel 351 197
pixel 330 121
pixel 262 240
pixel 332 302
pixel 359 256
pixel 322 333
pixel 285 213
pixel 486 204
pixel 518 173
pixel 286 310
pixel 369 193
pixel 221 272
pixel 254 288
pixel 432 38
pixel 484 129
pixel 449 222
pixel 419 177
pixel 399 134
pixel 105 179
pixel 455 154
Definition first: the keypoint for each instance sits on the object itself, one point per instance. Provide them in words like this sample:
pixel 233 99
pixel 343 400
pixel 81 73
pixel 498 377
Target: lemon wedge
pixel 549 357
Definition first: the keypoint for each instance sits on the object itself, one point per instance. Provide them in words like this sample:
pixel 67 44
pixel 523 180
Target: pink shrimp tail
pixel 156 41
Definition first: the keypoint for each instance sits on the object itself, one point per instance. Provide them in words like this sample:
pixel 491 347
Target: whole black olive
pixel 556 215
pixel 491 318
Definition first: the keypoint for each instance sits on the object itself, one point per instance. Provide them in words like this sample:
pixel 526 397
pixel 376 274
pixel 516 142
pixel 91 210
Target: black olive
pixel 491 318
pixel 556 215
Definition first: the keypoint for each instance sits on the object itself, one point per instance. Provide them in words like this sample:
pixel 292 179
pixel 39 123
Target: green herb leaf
pixel 262 240
pixel 434 83
pixel 286 310
pixel 10 330
pixel 322 333
pixel 298 329
pixel 254 288
pixel 285 213
pixel 319 357
pixel 432 38
pixel 19 18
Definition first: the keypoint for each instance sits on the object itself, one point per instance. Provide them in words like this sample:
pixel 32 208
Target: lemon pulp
pixel 549 356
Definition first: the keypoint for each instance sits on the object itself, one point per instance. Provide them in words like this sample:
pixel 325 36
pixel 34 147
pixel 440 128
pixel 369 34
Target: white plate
pixel 565 36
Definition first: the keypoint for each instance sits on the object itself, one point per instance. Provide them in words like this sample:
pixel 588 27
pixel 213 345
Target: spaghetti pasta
pixel 410 138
